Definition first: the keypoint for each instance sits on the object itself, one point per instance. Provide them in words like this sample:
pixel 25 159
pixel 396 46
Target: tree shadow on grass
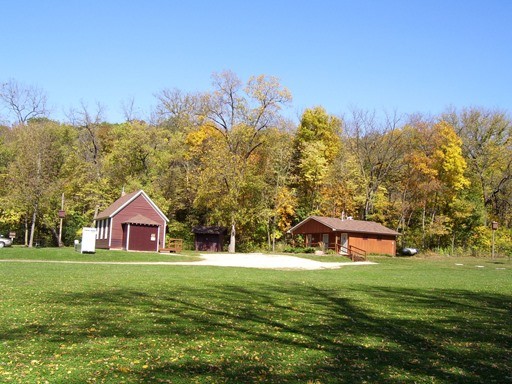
pixel 293 333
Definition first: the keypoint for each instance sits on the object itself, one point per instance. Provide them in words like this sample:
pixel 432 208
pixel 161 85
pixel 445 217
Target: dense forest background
pixel 229 157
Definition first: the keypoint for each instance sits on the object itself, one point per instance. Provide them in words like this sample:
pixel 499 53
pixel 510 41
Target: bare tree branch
pixel 87 123
pixel 24 102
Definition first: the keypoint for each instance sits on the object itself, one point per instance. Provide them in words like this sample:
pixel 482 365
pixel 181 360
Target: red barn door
pixel 142 237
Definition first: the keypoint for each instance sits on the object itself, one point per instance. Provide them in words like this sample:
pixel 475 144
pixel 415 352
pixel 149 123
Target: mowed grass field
pixel 404 320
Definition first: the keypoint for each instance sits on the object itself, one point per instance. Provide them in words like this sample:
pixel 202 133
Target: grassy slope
pixel 404 320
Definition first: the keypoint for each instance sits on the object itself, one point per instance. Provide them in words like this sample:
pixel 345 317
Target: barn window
pixel 106 229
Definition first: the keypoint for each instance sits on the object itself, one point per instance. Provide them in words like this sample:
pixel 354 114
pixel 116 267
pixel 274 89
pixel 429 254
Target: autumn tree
pixel 177 110
pixel 435 176
pixel 339 190
pixel 316 145
pixel 378 149
pixel 279 200
pixel 487 146
pixel 240 114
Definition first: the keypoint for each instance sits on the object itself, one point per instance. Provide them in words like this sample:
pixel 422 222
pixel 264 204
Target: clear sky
pixel 406 56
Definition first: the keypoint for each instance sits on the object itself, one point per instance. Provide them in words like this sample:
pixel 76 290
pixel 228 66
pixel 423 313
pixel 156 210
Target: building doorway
pixel 344 243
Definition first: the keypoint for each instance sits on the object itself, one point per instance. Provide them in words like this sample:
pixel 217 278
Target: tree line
pixel 229 157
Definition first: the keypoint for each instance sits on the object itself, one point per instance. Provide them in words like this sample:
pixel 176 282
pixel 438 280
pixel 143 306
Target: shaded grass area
pixel 405 320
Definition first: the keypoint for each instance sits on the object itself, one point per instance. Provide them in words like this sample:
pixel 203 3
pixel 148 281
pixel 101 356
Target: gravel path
pixel 244 260
pixel 264 261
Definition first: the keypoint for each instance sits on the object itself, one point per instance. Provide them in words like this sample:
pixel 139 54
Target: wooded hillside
pixel 228 157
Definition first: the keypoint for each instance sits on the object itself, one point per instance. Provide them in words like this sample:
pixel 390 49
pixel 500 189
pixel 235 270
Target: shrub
pixel 290 249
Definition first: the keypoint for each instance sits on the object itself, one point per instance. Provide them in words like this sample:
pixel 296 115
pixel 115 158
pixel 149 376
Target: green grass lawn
pixel 405 320
pixel 101 255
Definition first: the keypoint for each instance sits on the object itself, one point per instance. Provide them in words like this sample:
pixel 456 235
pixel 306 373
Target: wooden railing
pixel 174 245
pixel 352 252
pixel 355 253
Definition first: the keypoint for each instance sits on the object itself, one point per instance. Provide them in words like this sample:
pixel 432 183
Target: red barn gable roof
pixel 359 226
pixel 125 200
pixel 117 205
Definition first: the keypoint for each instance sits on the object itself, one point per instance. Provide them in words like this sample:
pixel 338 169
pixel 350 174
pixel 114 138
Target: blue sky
pixel 404 56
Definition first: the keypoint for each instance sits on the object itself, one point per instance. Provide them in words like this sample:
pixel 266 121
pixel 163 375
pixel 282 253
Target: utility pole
pixel 62 214
pixel 494 227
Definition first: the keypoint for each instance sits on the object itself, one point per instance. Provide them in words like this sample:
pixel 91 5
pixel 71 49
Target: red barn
pixel 349 237
pixel 132 223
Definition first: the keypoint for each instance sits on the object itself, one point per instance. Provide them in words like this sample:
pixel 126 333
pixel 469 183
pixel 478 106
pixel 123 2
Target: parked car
pixel 409 251
pixel 5 241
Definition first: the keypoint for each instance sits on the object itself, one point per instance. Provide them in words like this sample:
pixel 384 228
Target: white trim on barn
pixel 128 236
pixel 158 240
pixel 110 233
pixel 148 199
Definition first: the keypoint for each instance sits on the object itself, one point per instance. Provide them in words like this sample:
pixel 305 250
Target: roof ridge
pixel 123 201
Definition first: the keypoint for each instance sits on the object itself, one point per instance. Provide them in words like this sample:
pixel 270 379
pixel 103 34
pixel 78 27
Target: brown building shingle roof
pixel 210 230
pixel 349 225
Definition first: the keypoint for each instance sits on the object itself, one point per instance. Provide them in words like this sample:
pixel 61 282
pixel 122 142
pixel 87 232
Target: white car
pixel 409 251
pixel 5 241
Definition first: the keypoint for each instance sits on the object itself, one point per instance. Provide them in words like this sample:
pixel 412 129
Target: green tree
pixel 179 157
pixel 9 216
pixel 34 175
pixel 229 193
pixel 132 157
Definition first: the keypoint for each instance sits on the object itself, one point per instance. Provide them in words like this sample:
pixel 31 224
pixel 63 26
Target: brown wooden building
pixel 209 239
pixel 348 237
pixel 132 223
